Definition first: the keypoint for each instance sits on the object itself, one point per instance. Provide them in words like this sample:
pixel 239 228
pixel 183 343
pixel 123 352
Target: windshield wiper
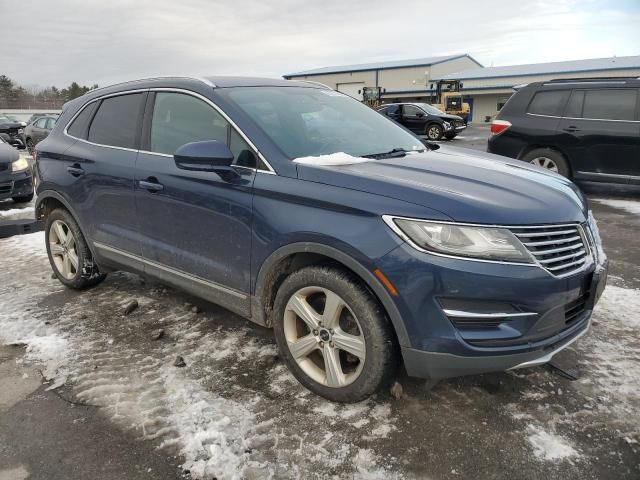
pixel 396 152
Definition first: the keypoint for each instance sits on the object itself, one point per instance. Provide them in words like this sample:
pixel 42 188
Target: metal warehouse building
pixel 485 89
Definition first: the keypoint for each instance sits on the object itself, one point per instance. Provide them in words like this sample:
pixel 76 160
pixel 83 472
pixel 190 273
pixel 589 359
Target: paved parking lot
pixel 113 394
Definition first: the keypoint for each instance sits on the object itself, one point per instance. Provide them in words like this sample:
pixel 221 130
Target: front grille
pixel 4 166
pixel 5 187
pixel 561 250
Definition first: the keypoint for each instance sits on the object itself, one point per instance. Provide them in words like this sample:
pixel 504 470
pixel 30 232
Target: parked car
pixel 38 131
pixel 304 210
pixel 15 175
pixel 12 131
pixel 425 119
pixel 36 116
pixel 585 129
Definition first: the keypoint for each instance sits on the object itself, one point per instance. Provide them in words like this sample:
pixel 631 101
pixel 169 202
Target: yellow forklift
pixel 448 98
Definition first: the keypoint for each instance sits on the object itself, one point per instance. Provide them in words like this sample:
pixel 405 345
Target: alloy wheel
pixel 62 245
pixel 324 336
pixel 433 132
pixel 545 162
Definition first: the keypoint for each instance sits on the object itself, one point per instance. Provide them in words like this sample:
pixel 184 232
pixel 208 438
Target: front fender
pixel 365 274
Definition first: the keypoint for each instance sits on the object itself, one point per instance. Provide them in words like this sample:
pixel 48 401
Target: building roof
pixel 363 67
pixel 572 66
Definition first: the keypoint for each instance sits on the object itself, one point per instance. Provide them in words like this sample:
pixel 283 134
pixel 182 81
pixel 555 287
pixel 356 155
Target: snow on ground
pixel 628 205
pixel 25 212
pixel 210 412
pixel 548 446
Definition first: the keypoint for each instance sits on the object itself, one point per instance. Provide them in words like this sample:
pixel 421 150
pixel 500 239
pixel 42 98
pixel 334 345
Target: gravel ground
pixel 234 411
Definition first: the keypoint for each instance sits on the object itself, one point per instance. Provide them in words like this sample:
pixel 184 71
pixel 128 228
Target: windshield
pixel 430 109
pixel 308 122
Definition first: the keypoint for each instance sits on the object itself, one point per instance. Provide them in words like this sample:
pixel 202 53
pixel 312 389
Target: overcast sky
pixel 53 42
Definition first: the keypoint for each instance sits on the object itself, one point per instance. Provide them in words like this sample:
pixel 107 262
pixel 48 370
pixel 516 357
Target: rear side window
pixel 613 104
pixel 548 103
pixel 41 123
pixel 116 121
pixel 80 126
pixel 179 119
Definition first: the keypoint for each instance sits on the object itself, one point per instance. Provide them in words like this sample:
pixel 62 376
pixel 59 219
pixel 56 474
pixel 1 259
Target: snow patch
pixel 334 159
pixel 621 305
pixel 628 205
pixel 18 211
pixel 549 446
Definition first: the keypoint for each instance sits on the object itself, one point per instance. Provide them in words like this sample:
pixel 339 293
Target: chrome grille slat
pixel 546 234
pixel 562 250
pixel 564 257
pixel 549 251
pixel 552 242
pixel 559 267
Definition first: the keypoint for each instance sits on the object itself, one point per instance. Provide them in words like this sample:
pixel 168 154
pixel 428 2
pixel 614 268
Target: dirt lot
pixel 117 407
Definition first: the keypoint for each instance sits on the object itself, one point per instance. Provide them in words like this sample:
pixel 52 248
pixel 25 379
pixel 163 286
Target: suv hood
pixel 448 116
pixel 465 185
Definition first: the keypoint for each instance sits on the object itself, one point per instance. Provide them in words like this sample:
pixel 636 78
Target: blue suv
pixel 306 211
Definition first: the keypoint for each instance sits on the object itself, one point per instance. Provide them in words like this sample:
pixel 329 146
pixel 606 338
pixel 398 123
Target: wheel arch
pixel 48 201
pixel 292 257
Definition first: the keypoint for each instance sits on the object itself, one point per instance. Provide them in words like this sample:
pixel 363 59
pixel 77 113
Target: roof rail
pixel 207 82
pixel 590 79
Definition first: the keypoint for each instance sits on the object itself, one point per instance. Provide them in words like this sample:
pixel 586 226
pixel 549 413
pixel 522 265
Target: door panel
pixel 413 118
pixel 195 225
pixel 601 133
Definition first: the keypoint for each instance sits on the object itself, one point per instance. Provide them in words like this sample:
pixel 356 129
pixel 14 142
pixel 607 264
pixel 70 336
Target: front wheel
pixel 30 146
pixel 433 132
pixel 69 254
pixel 333 336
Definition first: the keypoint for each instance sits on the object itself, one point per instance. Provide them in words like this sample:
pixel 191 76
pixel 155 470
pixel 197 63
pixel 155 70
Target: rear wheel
pixel 548 159
pixel 68 252
pixel 333 335
pixel 433 132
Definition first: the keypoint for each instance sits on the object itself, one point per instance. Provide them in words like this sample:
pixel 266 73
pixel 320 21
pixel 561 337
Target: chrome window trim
pixel 580 118
pixel 269 170
pixel 173 271
pixel 464 314
pixel 389 220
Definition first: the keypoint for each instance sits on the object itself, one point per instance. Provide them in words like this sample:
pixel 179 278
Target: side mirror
pixel 207 156
pixel 419 114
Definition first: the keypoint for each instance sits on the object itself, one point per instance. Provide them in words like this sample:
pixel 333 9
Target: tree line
pixel 16 96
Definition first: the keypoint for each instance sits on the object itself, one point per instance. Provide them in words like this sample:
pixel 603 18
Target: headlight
pixel 19 165
pixel 447 125
pixel 485 243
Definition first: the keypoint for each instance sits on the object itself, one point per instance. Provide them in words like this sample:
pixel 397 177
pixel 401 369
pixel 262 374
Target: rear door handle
pixel 151 184
pixel 76 170
pixel 571 129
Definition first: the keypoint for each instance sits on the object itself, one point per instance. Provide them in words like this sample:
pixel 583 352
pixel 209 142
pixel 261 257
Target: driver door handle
pixel 151 184
pixel 571 129
pixel 76 170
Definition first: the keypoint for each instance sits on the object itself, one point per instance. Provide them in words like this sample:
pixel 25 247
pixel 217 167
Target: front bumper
pixel 440 348
pixel 18 184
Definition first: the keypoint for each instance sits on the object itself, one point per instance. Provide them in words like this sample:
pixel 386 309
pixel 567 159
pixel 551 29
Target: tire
pixel 61 250
pixel 358 323
pixel 23 199
pixel 433 131
pixel 548 159
pixel 450 136
pixel 30 145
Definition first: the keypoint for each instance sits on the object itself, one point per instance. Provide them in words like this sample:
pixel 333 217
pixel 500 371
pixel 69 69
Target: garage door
pixel 351 89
